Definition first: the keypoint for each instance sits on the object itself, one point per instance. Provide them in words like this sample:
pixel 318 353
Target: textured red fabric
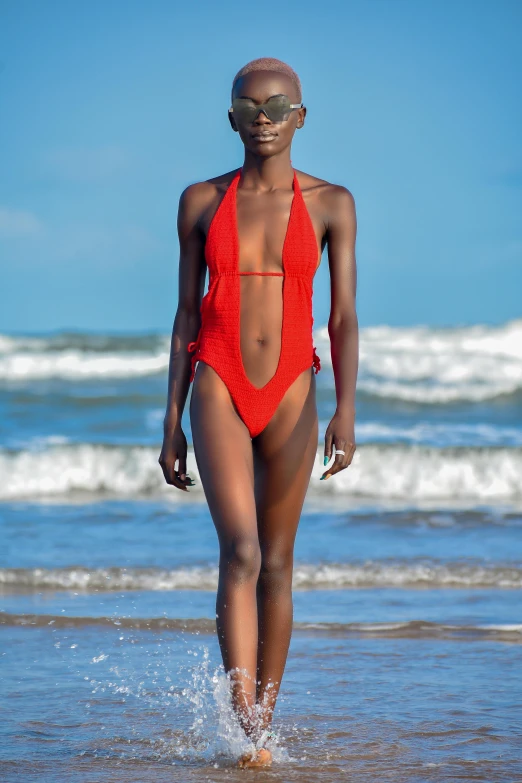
pixel 218 342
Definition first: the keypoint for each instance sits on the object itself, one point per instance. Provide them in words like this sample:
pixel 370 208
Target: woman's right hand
pixel 175 448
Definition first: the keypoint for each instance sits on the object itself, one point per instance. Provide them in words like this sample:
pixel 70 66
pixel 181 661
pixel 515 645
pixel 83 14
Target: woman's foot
pixel 255 758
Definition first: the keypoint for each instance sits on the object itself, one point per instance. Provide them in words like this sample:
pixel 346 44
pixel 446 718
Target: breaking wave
pixel 406 473
pixel 417 364
pixel 306 576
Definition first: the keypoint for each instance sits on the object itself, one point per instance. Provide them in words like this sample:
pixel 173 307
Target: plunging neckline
pixel 295 186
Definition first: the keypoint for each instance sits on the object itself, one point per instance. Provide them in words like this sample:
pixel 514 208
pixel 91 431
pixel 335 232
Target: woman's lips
pixel 263 138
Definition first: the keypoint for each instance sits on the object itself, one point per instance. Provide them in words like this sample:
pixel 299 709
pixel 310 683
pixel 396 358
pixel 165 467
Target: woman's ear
pixel 232 121
pixel 301 114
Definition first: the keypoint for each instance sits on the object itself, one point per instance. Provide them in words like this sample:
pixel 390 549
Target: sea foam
pixel 408 574
pixel 387 472
pixel 418 364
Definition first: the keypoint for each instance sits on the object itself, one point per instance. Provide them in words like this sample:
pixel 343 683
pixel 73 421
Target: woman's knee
pixel 277 565
pixel 241 557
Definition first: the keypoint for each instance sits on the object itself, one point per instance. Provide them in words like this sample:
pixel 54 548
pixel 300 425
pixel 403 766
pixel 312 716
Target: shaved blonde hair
pixel 269 64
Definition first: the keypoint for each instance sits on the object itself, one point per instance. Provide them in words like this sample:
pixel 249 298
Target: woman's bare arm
pixel 187 321
pixel 343 325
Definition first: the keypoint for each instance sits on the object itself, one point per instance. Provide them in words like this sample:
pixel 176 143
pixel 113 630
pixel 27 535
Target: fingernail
pixel 326 461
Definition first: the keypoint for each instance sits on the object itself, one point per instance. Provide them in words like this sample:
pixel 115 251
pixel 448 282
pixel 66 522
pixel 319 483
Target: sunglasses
pixel 277 108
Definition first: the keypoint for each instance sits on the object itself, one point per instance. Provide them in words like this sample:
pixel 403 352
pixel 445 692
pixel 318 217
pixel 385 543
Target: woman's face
pixel 263 137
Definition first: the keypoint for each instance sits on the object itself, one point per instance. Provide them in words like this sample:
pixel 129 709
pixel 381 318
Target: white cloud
pixel 18 223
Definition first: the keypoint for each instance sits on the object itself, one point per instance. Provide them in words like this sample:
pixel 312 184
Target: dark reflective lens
pixel 277 109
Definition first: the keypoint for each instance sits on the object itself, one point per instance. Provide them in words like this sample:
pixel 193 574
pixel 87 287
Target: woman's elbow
pixel 343 320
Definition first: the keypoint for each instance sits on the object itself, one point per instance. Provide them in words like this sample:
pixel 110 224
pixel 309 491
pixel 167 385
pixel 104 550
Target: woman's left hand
pixel 341 435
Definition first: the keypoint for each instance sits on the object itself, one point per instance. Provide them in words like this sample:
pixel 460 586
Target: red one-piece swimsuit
pixel 218 342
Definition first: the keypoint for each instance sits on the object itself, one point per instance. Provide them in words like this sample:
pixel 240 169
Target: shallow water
pixel 138 705
pixel 407 647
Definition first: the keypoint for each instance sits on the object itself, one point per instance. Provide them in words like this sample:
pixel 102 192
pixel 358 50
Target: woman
pixel 261 231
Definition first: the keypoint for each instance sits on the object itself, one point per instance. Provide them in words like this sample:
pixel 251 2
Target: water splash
pixel 176 711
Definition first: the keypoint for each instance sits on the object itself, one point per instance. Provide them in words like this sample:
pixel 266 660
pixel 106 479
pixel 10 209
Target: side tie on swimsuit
pixel 218 341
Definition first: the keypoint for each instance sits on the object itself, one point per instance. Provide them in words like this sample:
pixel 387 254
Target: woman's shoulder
pixel 324 192
pixel 201 199
pixel 207 190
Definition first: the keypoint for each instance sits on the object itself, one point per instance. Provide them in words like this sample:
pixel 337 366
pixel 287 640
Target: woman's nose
pixel 262 118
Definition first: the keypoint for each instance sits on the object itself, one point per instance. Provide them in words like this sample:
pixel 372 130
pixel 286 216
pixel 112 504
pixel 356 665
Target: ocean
pixel 406 656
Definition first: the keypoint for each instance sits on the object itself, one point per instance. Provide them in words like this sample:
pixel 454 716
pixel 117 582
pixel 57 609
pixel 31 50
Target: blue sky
pixel 109 109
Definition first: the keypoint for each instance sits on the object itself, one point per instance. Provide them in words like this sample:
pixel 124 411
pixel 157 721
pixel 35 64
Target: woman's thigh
pixel 284 456
pixel 223 451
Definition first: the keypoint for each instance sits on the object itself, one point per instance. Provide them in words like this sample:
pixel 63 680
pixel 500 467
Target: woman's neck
pixel 268 173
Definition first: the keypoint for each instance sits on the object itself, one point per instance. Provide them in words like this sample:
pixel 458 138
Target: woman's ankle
pixel 266 735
